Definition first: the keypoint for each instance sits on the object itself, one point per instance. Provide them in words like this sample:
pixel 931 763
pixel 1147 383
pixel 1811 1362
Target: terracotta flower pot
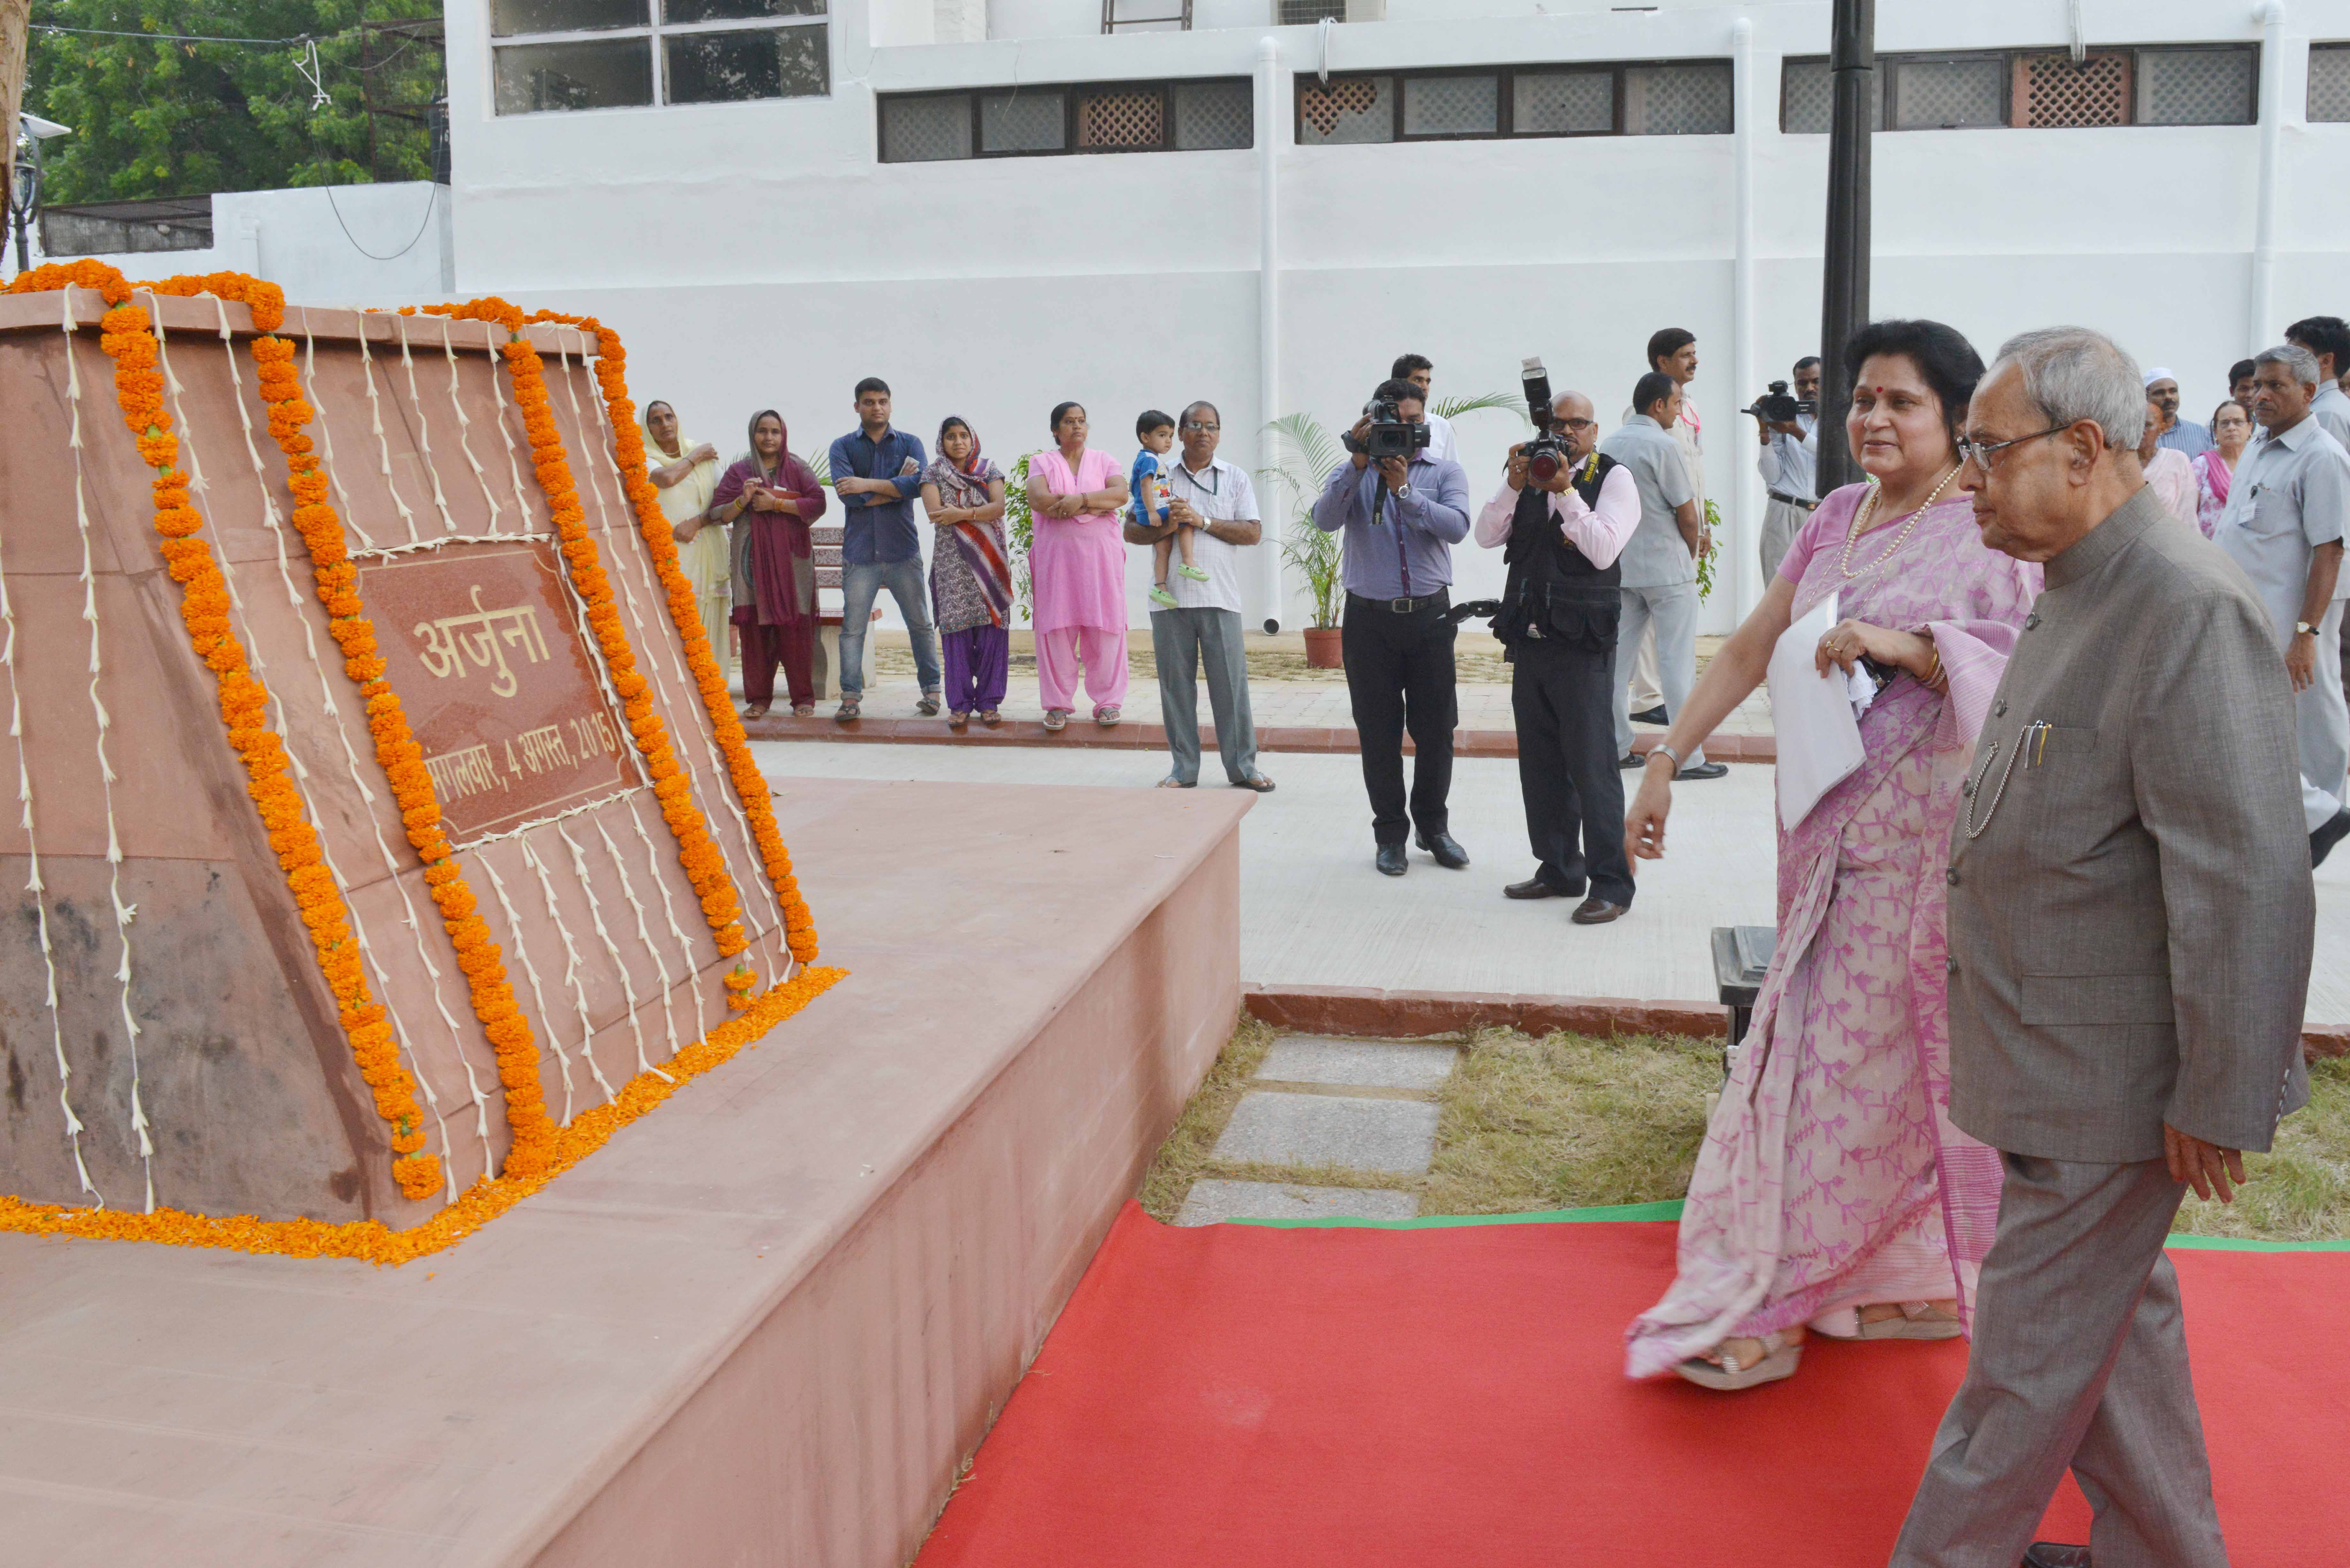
pixel 1322 649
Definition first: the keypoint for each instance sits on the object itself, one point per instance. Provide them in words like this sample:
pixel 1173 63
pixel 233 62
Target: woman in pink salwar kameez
pixel 1832 1189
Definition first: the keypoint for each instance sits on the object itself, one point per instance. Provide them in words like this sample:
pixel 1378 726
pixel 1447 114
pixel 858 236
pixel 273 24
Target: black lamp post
pixel 1844 291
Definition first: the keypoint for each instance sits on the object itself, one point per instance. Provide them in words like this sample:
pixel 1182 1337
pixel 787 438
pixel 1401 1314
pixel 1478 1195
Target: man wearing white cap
pixel 2185 437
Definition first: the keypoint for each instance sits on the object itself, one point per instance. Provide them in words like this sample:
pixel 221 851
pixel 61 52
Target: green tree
pixel 163 117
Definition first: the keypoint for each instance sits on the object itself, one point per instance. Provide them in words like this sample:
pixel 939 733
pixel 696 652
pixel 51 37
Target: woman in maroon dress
pixel 773 496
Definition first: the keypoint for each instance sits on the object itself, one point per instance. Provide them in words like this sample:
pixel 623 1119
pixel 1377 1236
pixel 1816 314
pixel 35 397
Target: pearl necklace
pixel 1867 510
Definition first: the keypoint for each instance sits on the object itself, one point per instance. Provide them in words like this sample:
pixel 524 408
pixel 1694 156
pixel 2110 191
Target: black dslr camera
pixel 1546 454
pixel 1778 406
pixel 1390 435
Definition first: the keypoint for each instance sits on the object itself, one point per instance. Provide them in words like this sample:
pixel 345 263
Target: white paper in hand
pixel 1811 714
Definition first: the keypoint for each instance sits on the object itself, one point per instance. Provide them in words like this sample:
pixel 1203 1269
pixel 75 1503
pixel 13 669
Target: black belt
pixel 1405 607
pixel 1790 500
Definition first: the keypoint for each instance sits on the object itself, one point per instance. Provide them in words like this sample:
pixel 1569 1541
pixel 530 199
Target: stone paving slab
pixel 1210 1202
pixel 1383 1064
pixel 1273 1128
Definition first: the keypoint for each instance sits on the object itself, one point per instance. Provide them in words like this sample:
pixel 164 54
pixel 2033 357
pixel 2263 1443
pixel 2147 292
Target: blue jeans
pixel 860 585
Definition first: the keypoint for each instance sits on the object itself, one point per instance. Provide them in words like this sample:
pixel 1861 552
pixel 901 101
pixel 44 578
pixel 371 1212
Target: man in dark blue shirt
pixel 877 472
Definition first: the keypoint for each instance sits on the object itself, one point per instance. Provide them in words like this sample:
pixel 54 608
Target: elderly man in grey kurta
pixel 2130 921
pixel 2283 524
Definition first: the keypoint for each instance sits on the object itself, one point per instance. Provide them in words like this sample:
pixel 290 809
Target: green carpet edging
pixel 1671 1209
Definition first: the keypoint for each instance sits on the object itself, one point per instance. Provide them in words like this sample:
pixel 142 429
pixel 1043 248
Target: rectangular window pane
pixel 2329 81
pixel 1023 122
pixel 1122 116
pixel 682 10
pixel 1451 106
pixel 921 130
pixel 1563 103
pixel 2195 87
pixel 509 18
pixel 1677 101
pixel 1305 13
pixel 1806 97
pixel 1941 94
pixel 1350 110
pixel 2051 90
pixel 618 74
pixel 731 68
pixel 1214 114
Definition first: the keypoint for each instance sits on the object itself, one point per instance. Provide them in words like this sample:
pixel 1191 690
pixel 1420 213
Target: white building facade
pixel 997 205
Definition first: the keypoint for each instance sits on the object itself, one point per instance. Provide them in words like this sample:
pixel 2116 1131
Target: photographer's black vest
pixel 1554 591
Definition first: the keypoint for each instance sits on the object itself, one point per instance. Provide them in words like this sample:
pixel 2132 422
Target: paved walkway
pixel 1315 912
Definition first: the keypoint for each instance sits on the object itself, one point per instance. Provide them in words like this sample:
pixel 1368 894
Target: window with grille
pixel 555 55
pixel 2193 83
pixel 1676 98
pixel 1305 13
pixel 2329 81
pixel 1100 117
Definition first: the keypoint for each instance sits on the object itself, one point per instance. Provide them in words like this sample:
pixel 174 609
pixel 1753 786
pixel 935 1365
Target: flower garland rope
pixel 697 851
pixel 750 785
pixel 127 337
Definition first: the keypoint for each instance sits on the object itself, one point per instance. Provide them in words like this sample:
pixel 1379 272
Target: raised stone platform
pixel 762 1327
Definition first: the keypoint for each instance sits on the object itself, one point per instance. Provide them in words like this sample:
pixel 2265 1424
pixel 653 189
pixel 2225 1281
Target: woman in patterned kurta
pixel 1832 1188
pixel 971 574
pixel 685 474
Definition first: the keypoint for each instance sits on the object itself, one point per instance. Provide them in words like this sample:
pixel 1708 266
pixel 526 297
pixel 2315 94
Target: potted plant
pixel 1303 454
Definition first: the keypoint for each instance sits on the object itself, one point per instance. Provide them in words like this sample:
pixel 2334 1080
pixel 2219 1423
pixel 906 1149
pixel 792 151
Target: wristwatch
pixel 2302 628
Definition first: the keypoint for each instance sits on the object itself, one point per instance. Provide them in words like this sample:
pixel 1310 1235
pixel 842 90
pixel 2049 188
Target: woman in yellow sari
pixel 685 473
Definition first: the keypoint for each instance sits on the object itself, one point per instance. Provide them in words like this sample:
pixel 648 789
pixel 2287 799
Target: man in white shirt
pixel 1415 368
pixel 1206 492
pixel 2328 338
pixel 1790 469
pixel 1659 565
pixel 1558 624
pixel 1672 352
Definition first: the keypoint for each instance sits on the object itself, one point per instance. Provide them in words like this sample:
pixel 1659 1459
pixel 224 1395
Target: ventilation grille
pixel 1677 101
pixel 2195 87
pixel 1122 119
pixel 1931 94
pixel 922 129
pixel 1451 105
pixel 1563 103
pixel 1214 114
pixel 1357 108
pixel 1305 13
pixel 2052 91
pixel 2329 82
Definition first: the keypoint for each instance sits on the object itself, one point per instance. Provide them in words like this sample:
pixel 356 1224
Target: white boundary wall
pixel 759 255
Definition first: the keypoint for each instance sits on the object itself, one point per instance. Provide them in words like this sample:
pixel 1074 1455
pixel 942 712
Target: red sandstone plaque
pixel 498 683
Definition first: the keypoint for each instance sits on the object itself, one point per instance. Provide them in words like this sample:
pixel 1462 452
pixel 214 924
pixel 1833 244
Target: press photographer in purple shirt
pixel 1401 516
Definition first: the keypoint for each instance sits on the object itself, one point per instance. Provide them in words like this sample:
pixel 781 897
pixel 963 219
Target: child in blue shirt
pixel 1148 486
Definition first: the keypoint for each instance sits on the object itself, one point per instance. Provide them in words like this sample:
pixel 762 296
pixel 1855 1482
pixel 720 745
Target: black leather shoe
pixel 1632 760
pixel 1391 860
pixel 1449 854
pixel 1535 887
pixel 1656 715
pixel 1597 911
pixel 2322 842
pixel 1702 770
pixel 2055 1554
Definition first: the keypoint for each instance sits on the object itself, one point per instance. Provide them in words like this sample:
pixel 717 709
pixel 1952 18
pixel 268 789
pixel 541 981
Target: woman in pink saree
pixel 1832 1189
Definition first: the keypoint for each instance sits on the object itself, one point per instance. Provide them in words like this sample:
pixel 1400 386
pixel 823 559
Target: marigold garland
pixel 698 852
pixel 371 1241
pixel 127 335
pixel 750 785
pixel 540 1152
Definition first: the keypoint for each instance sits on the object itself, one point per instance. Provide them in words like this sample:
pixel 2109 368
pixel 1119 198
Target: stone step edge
pixel 1135 736
pixel 1402 1014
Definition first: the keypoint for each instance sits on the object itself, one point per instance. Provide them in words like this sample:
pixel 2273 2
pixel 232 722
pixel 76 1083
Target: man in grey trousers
pixel 1203 628
pixel 2130 921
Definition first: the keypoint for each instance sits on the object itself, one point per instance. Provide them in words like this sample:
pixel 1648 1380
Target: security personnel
pixel 1558 621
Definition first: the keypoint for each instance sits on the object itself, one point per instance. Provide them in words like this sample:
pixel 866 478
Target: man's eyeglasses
pixel 1576 424
pixel 1196 425
pixel 1978 452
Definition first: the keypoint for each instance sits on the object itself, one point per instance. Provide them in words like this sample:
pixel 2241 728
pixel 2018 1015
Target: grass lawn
pixel 1567 1121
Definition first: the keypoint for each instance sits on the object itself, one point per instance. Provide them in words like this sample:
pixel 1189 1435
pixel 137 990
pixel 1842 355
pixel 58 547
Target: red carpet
pixel 1233 1396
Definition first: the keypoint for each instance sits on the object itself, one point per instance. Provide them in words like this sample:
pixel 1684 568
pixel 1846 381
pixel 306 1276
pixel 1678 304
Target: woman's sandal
pixel 990 717
pixel 957 719
pixel 1781 1356
pixel 1057 719
pixel 1108 715
pixel 756 710
pixel 803 710
pixel 1911 1319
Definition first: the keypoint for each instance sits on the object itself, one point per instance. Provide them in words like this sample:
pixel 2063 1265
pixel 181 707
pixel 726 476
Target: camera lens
pixel 1544 466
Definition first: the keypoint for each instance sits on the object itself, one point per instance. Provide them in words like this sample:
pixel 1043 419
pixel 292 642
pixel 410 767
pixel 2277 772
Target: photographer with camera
pixel 1660 563
pixel 1788 426
pixel 1401 511
pixel 1565 511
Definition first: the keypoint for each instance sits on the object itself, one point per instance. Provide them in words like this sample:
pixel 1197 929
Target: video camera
pixel 1546 454
pixel 1778 406
pixel 1390 435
